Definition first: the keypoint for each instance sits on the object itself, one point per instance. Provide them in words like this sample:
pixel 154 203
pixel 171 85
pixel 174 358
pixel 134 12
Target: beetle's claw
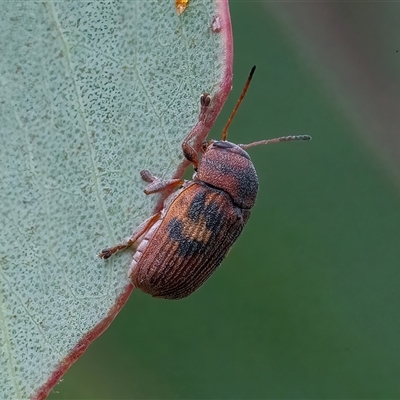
pixel 106 253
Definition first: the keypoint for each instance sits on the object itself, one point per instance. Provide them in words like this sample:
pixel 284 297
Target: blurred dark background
pixel 307 304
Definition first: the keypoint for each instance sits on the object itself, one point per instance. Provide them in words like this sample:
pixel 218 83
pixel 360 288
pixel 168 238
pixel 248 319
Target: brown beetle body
pixel 186 245
pixel 182 245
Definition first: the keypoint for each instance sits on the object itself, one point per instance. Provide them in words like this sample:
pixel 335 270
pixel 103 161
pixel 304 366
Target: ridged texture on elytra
pixel 196 233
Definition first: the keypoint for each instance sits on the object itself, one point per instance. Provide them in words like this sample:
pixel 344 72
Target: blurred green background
pixel 307 304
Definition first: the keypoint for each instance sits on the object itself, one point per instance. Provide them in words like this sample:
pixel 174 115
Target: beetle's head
pixel 228 167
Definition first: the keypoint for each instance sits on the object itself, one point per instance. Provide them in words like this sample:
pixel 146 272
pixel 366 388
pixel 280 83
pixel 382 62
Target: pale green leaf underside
pixel 90 94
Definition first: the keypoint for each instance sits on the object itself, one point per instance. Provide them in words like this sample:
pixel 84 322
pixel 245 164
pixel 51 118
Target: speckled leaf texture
pixel 90 94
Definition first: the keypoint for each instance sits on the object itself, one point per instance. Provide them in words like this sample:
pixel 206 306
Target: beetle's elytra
pixel 181 246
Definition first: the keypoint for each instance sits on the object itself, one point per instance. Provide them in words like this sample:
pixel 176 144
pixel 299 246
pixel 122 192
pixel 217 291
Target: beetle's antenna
pixel 246 86
pixel 276 140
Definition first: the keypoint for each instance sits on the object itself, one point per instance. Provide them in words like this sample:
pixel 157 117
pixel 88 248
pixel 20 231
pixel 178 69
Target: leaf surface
pixel 90 94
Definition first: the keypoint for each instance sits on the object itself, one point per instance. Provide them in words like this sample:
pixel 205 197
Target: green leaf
pixel 90 94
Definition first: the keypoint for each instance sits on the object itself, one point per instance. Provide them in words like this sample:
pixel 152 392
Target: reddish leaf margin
pixel 222 26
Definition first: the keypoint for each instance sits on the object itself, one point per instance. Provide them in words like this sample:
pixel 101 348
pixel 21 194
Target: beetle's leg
pixel 147 176
pixel 140 231
pixel 158 185
pixel 190 151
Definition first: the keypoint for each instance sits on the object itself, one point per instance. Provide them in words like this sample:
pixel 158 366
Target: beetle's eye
pixel 222 144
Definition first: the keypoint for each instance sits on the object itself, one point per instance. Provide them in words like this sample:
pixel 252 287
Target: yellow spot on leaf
pixel 181 5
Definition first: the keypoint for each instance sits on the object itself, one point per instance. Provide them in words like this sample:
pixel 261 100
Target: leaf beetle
pixel 180 247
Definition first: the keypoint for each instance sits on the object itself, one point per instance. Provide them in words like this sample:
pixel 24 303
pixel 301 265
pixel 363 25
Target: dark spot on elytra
pixel 198 211
pixel 187 247
pixel 210 212
pixel 214 219
pixel 197 206
pixel 175 228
